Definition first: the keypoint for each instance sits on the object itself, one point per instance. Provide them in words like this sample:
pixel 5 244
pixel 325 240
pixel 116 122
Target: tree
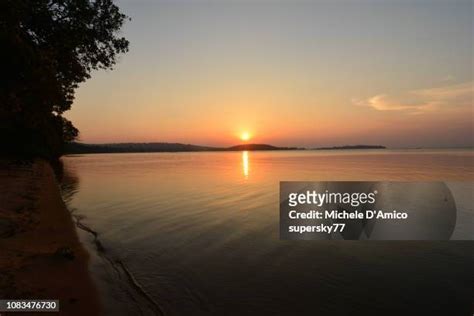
pixel 48 48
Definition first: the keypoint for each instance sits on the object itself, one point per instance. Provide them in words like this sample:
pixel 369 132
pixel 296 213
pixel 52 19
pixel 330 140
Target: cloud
pixel 419 101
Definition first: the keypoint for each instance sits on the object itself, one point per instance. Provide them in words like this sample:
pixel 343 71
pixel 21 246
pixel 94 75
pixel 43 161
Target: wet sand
pixel 41 256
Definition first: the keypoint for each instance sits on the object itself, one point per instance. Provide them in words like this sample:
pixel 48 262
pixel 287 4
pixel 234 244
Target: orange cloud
pixel 419 101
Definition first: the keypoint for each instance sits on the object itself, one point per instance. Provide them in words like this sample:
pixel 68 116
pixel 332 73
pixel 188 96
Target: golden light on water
pixel 245 164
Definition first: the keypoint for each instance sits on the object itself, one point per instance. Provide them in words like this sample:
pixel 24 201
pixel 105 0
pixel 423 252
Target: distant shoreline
pixel 81 148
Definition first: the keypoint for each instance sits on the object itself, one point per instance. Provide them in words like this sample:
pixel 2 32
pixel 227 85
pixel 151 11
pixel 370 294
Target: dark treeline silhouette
pixel 260 147
pixel 79 148
pixel 48 48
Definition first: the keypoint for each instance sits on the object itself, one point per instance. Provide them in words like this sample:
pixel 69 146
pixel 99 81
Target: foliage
pixel 48 48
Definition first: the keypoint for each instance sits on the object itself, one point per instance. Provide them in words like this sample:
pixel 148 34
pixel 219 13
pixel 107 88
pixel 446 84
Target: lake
pixel 198 234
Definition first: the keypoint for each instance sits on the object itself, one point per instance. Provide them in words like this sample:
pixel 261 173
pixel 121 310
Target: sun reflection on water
pixel 245 164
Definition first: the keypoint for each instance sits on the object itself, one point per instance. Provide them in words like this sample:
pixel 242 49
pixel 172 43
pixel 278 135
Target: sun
pixel 245 136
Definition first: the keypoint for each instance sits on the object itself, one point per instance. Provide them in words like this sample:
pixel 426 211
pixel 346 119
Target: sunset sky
pixel 318 73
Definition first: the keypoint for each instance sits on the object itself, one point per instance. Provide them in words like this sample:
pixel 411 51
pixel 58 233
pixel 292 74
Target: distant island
pixel 81 148
pixel 259 147
pixel 351 147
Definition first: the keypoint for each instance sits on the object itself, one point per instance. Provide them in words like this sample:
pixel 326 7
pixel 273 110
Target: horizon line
pixel 286 146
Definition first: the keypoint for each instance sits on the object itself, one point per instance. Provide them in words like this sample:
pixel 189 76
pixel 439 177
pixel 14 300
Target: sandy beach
pixel 41 256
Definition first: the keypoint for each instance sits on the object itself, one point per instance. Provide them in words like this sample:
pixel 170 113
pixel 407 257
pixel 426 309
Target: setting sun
pixel 245 136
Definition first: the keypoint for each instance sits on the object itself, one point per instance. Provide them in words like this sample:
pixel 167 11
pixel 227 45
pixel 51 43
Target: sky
pixel 287 73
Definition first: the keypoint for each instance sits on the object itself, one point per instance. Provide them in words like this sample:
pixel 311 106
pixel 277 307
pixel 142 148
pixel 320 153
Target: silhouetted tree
pixel 48 47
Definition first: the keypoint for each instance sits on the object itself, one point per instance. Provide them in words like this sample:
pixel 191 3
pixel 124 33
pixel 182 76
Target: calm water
pixel 197 234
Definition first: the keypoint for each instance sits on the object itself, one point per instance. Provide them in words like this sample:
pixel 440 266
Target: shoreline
pixel 42 256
